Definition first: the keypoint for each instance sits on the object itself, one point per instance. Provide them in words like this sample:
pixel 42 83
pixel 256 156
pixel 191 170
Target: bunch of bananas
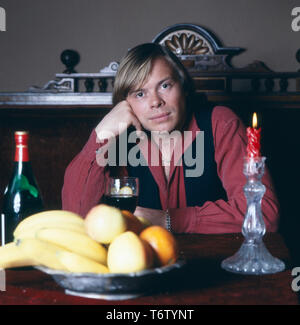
pixel 56 239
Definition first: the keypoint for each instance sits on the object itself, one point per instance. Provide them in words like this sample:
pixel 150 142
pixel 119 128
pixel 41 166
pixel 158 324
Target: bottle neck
pixel 21 153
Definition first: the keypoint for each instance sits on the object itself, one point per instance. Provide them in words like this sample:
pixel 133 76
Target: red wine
pixel 22 196
pixel 123 202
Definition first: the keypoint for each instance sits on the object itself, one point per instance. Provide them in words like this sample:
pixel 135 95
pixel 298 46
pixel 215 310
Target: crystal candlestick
pixel 253 257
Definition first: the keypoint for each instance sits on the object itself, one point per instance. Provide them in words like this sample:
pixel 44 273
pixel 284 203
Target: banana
pixel 75 242
pixel 41 252
pixel 77 263
pixel 50 218
pixel 31 233
pixel 12 256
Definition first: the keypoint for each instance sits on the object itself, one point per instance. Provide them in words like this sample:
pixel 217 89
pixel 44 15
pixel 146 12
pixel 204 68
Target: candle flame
pixel 254 121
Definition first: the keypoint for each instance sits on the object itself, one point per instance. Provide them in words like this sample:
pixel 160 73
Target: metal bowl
pixel 115 286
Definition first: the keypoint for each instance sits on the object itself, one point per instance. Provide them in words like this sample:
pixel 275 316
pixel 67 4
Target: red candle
pixel 253 134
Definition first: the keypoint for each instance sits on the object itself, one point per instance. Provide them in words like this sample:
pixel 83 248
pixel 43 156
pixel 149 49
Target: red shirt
pixel 84 182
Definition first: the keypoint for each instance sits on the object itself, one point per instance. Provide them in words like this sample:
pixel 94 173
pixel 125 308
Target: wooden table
pixel 202 281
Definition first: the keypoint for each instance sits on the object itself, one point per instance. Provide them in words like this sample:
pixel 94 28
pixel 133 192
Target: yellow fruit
pixel 103 223
pixel 133 223
pixel 128 253
pixel 126 190
pixel 31 233
pixel 12 256
pixel 41 252
pixel 162 242
pixel 77 263
pixel 49 218
pixel 75 242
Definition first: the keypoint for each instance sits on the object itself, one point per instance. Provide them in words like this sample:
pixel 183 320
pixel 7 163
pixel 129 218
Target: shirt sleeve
pixel 221 216
pixel 84 179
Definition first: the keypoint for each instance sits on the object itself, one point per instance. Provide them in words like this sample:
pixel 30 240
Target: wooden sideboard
pixel 57 134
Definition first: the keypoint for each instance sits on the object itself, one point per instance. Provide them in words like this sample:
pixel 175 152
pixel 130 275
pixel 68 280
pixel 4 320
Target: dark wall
pixel 55 139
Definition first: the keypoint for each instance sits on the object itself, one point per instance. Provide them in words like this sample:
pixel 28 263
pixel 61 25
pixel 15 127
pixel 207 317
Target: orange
pixel 162 242
pixel 133 223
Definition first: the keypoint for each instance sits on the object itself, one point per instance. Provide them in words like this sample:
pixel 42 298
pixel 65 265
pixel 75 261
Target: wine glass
pixel 122 192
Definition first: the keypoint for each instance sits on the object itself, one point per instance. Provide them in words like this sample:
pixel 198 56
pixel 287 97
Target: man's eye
pixel 139 94
pixel 166 85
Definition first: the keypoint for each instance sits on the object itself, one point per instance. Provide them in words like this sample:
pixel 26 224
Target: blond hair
pixel 136 66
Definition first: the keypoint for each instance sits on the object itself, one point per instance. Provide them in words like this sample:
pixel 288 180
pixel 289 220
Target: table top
pixel 202 280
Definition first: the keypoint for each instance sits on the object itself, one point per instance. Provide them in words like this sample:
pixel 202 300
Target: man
pixel 154 94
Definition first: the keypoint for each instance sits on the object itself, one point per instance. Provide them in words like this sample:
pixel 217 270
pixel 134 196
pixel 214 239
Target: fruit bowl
pixel 115 286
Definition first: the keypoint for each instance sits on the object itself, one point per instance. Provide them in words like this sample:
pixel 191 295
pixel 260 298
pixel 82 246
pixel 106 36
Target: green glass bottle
pixel 22 196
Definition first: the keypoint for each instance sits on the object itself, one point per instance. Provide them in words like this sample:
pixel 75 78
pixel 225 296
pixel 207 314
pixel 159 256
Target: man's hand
pixel 117 121
pixel 155 216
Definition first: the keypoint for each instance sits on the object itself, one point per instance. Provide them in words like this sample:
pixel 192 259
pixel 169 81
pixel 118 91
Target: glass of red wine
pixel 122 192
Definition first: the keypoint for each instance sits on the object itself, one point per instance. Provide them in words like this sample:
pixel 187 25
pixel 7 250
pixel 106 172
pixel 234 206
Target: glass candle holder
pixel 253 257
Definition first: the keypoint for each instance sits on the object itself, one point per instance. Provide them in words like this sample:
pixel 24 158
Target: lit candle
pixel 253 134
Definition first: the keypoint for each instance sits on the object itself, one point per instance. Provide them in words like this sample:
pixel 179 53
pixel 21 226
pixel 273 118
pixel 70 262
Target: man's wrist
pixel 168 221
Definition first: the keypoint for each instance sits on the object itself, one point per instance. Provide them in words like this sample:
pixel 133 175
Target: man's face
pixel 159 103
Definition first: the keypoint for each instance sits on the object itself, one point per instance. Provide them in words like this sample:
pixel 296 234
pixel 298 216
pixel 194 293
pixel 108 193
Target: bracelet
pixel 168 221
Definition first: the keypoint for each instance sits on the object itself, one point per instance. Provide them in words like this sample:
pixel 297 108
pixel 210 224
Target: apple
pixel 129 253
pixel 103 223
